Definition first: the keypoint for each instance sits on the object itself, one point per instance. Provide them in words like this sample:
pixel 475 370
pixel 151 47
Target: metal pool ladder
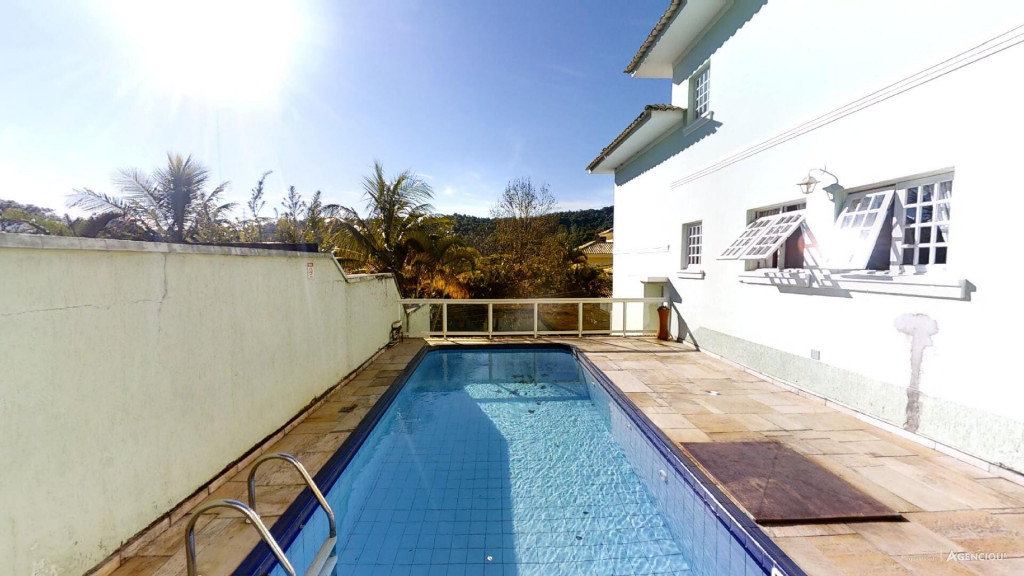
pixel 326 558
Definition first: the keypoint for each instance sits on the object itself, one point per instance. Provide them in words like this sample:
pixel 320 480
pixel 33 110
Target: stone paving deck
pixel 961 519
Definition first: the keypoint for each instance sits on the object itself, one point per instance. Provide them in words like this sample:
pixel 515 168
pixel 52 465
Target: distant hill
pixel 581 226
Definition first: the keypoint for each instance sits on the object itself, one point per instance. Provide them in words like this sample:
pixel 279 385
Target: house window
pixel 700 91
pixel 693 234
pixel 905 224
pixel 858 227
pixel 924 214
pixel 772 238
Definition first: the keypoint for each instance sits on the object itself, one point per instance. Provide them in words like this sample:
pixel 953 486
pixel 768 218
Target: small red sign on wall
pixel 309 269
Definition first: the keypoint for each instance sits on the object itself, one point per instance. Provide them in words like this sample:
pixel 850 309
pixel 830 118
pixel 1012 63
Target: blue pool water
pixel 516 462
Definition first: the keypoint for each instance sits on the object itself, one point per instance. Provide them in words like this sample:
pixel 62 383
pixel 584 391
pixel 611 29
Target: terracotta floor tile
pixel 643 399
pixel 292 443
pixel 977 531
pixel 685 407
pixel 140 566
pixel 756 423
pixel 315 427
pixel 270 500
pixel 670 421
pixel 806 530
pixel 326 443
pixel 679 435
pixel 227 548
pixel 171 540
pixel 666 389
pixel 843 544
pixel 952 484
pixel 627 382
pixel 933 565
pixel 658 410
pixel 877 564
pixel 879 492
pixel 878 448
pixel 904 538
pixel 995 567
pixel 655 376
pixel 807 556
pixel 732 405
pixel 921 495
pixel 742 436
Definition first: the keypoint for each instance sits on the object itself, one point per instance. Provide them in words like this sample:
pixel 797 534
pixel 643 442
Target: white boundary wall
pixel 131 373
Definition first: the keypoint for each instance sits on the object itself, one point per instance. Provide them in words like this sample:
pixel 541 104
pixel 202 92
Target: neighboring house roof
pixel 653 36
pixel 607 234
pixel 652 123
pixel 596 247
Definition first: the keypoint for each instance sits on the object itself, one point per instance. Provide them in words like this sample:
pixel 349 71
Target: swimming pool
pixel 495 460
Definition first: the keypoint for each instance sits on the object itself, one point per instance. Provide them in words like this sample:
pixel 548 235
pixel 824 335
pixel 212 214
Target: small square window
pixel 693 241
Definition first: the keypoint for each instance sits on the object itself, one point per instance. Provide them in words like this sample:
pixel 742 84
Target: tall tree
pixel 170 205
pixel 252 230
pixel 380 241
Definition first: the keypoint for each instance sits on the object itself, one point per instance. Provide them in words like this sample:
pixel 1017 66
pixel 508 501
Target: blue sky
pixel 467 93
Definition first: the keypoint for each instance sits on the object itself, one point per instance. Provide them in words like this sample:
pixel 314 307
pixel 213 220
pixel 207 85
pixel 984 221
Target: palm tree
pixel 16 220
pixel 442 265
pixel 380 241
pixel 171 205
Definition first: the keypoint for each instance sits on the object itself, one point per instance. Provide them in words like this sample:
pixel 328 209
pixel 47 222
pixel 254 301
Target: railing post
pixel 490 319
pixel 534 319
pixel 624 318
pixel 444 320
pixel 579 317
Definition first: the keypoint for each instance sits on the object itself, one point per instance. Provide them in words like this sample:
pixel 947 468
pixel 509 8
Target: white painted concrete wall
pixel 132 373
pixel 792 62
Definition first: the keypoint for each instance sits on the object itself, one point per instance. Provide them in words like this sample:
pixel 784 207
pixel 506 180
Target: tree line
pixel 525 249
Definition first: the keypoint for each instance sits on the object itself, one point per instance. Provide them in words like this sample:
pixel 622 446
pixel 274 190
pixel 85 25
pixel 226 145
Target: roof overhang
pixel 680 27
pixel 656 121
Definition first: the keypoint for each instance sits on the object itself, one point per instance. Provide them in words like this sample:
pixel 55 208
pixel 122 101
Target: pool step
pixel 325 560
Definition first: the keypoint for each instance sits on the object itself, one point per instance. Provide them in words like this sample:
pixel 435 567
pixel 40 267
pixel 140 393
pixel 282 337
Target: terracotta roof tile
pixel 653 36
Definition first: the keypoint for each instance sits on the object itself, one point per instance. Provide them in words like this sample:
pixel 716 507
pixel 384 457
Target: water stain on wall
pixel 920 328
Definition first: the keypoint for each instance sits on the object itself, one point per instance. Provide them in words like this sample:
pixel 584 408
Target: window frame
pixel 870 205
pixel 767 220
pixel 897 192
pixel 701 79
pixel 688 244
pixel 900 223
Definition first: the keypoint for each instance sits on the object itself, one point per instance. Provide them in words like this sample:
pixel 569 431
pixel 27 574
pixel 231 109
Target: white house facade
pixel 882 282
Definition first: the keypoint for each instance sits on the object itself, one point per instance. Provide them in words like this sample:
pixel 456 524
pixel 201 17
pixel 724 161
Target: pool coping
pixel 758 545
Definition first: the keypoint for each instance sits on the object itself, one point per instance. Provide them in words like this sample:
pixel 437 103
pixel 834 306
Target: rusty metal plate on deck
pixel 777 485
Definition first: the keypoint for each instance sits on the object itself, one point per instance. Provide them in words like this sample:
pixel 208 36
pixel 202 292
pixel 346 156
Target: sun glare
pixel 224 51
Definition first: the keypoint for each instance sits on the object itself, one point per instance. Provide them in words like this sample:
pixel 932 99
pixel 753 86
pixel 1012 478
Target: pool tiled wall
pixel 710 537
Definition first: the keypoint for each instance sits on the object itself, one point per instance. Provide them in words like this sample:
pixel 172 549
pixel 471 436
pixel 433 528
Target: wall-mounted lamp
pixel 808 184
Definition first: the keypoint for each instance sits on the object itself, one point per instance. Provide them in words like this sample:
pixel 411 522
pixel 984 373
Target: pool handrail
pixel 305 476
pixel 190 536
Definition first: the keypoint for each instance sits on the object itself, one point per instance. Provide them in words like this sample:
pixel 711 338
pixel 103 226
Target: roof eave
pixel 668 116
pixel 675 35
pixel 656 33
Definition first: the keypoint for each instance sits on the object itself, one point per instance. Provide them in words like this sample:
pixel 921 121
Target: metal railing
pixel 252 517
pixel 530 317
